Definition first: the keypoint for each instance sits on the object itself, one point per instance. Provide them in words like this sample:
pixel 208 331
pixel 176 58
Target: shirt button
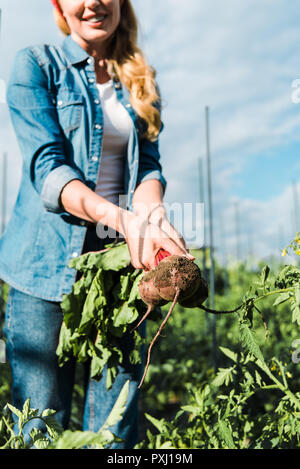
pixel 89 60
pixel 98 126
pixel 128 105
pixel 59 103
pixel 75 254
pixel 96 101
pixel 91 80
pixel 118 86
pixel 94 158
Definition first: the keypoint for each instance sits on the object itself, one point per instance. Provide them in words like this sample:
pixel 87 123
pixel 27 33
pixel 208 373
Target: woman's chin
pixel 90 36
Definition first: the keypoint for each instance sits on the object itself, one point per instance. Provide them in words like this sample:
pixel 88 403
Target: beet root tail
pixel 157 334
pixel 143 318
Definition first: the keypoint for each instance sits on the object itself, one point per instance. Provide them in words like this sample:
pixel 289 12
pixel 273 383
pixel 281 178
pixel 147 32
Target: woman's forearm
pixel 81 201
pixel 148 199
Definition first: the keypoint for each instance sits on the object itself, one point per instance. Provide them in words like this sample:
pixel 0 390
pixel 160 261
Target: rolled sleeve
pixel 34 117
pixel 54 184
pixel 155 174
pixel 149 166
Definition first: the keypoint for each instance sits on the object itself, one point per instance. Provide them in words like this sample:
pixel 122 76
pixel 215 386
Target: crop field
pixel 244 393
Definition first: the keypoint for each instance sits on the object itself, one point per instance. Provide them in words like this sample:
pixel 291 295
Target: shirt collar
pixel 74 51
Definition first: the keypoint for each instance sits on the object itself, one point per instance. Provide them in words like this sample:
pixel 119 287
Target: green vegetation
pixel 249 398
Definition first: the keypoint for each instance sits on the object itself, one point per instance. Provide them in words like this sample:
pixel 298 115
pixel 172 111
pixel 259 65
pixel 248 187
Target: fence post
pixel 211 240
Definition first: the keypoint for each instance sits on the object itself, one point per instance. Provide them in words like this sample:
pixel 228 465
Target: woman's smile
pixel 95 20
pixel 92 23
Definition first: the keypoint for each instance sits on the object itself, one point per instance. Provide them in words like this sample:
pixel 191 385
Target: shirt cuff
pixel 54 184
pixel 155 174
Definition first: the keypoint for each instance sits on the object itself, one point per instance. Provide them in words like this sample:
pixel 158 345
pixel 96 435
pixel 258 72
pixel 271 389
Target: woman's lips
pixel 95 21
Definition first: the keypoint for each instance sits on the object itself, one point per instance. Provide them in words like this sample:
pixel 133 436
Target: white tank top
pixel 117 125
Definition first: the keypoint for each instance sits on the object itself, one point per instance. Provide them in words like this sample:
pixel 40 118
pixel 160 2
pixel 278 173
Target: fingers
pixel 137 264
pixel 136 260
pixel 174 248
pixel 177 237
pixel 143 248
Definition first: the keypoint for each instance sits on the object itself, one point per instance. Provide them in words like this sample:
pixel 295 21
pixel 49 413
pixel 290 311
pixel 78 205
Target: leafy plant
pixel 294 246
pixel 218 415
pixel 250 400
pixel 240 417
pixel 102 307
pixel 54 437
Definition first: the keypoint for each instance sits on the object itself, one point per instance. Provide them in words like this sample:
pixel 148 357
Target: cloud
pixel 2 92
pixel 240 58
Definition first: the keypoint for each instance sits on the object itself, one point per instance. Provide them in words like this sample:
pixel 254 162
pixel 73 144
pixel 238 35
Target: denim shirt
pixel 56 112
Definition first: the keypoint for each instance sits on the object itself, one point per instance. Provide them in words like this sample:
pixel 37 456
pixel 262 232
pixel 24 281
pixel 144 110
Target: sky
pixel 241 60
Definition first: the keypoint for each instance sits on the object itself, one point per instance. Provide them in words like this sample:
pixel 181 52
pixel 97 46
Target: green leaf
pixel 124 315
pixel 229 353
pixel 72 304
pixel 134 292
pixel 282 298
pixel 78 440
pixel 159 424
pixel 224 376
pixel 98 363
pixel 26 409
pixel 125 286
pixel 297 294
pixel 264 274
pixel 118 409
pixel 295 305
pixel 167 445
pixel 38 439
pixel 135 357
pixel 112 372
pixel 116 258
pixel 15 411
pixel 64 345
pixel 249 341
pixel 225 434
pixel 82 354
pixel 48 412
pixel 258 378
pixel 94 303
pixel 54 429
pixel 194 409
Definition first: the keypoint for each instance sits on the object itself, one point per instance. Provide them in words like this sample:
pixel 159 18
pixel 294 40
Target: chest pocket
pixel 69 107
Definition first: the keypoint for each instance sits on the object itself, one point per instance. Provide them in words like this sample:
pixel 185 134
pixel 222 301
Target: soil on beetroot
pixel 172 271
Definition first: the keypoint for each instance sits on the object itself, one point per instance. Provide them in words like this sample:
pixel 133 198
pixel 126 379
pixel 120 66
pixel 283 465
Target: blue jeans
pixel 32 327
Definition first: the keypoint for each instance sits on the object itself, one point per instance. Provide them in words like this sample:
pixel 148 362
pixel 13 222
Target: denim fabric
pixel 32 328
pixel 56 112
pixel 99 402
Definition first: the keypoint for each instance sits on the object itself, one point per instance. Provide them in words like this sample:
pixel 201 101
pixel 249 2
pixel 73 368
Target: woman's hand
pixel 145 233
pixel 145 239
pixel 158 217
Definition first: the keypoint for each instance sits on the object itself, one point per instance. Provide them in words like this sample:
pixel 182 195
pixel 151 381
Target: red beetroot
pixel 176 279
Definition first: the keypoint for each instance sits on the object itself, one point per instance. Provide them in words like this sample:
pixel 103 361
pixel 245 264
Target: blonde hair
pixel 127 62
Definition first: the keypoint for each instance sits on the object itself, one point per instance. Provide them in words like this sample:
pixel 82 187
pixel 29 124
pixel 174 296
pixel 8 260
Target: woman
pixel 87 118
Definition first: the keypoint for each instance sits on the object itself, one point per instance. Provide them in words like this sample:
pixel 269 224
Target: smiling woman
pixel 87 118
pixel 95 30
pixel 92 25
